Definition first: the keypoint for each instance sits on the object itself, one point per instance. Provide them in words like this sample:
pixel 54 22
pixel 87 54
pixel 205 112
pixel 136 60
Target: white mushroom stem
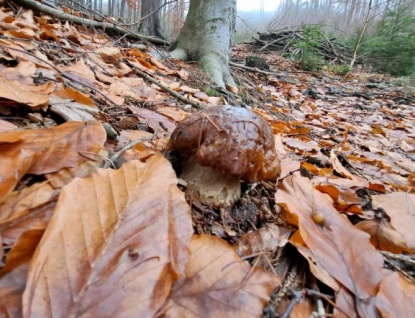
pixel 210 186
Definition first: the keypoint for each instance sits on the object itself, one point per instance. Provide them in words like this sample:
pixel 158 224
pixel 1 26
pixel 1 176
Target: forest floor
pixel 333 236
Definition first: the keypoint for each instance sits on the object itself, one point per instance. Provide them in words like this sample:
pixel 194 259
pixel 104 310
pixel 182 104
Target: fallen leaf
pixel 266 239
pixel 218 284
pixel 80 69
pixel 153 119
pixel 338 167
pixel 400 207
pixel 344 251
pixel 5 126
pixel 383 236
pixel 396 297
pixel 32 96
pixel 120 248
pixel 172 113
pixel 46 150
pixel 70 93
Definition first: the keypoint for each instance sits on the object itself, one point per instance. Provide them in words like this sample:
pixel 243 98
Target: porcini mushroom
pixel 224 145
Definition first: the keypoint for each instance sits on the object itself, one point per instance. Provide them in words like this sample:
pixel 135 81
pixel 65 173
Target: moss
pixel 209 91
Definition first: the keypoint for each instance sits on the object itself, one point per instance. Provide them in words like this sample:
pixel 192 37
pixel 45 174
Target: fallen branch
pixel 167 89
pixel 87 22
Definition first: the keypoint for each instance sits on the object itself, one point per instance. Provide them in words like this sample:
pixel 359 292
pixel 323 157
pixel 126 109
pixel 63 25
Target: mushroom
pixel 223 145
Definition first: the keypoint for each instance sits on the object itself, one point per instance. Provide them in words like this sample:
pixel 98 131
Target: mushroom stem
pixel 210 186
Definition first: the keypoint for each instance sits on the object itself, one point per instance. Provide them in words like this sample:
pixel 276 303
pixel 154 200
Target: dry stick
pixel 60 73
pixel 118 154
pixel 87 22
pixel 297 296
pixel 169 90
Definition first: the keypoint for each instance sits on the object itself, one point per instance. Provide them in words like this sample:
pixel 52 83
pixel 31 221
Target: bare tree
pixel 206 37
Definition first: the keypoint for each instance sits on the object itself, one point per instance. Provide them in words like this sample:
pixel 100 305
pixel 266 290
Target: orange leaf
pixel 218 284
pixel 70 93
pixel 119 240
pixel 32 96
pixel 400 208
pixel 383 236
pixel 45 150
pixel 396 297
pixel 337 243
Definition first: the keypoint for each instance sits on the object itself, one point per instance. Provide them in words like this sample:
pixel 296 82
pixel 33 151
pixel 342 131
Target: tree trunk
pixel 151 18
pixel 206 37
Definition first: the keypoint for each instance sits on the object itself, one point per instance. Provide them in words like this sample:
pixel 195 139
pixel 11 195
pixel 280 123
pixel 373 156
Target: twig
pixel 118 154
pixel 297 296
pixel 253 69
pixel 167 89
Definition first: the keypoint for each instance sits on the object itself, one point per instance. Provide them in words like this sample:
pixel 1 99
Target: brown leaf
pixel 5 126
pixel 80 69
pixel 347 306
pixel 70 93
pixel 400 207
pixel 19 73
pixel 153 119
pixel 46 150
pixel 339 167
pixel 32 96
pixel 396 297
pixel 119 240
pixel 383 236
pixel 22 251
pixel 13 276
pixel 266 239
pixel 172 113
pixel 218 284
pixel 12 286
pixel 20 204
pixel 343 251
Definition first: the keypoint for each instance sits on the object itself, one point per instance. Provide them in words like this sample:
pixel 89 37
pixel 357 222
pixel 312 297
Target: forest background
pixel 382 31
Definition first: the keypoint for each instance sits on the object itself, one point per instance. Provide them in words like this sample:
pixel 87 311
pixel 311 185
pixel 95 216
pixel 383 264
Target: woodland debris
pixel 282 41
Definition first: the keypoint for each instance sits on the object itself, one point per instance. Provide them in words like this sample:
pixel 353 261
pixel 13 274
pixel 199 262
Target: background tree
pixel 206 37
pixel 150 16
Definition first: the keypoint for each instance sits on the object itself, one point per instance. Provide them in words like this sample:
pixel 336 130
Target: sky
pixel 248 5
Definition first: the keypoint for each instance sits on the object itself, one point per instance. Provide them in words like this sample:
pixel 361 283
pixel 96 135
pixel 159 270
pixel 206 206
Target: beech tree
pixel 206 38
pixel 151 17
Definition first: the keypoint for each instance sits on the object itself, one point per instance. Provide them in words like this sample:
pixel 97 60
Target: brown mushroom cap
pixel 230 139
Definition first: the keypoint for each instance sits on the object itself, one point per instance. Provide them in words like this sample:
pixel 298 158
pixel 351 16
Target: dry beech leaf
pixel 119 239
pixel 32 96
pixel 347 306
pixel 20 204
pixel 5 126
pixel 383 236
pixel 12 286
pixel 172 113
pixel 70 93
pixel 218 284
pixel 22 251
pixel 268 238
pixel 339 167
pixel 46 150
pixel 80 69
pixel 153 119
pixel 396 297
pixel 14 275
pixel 344 251
pixel 400 207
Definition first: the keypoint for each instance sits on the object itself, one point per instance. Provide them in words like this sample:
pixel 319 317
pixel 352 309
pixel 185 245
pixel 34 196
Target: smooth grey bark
pixel 206 38
pixel 150 13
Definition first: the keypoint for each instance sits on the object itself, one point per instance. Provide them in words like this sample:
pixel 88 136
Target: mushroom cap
pixel 230 139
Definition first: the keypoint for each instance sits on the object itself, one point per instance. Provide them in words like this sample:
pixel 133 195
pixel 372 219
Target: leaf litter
pixel 333 235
